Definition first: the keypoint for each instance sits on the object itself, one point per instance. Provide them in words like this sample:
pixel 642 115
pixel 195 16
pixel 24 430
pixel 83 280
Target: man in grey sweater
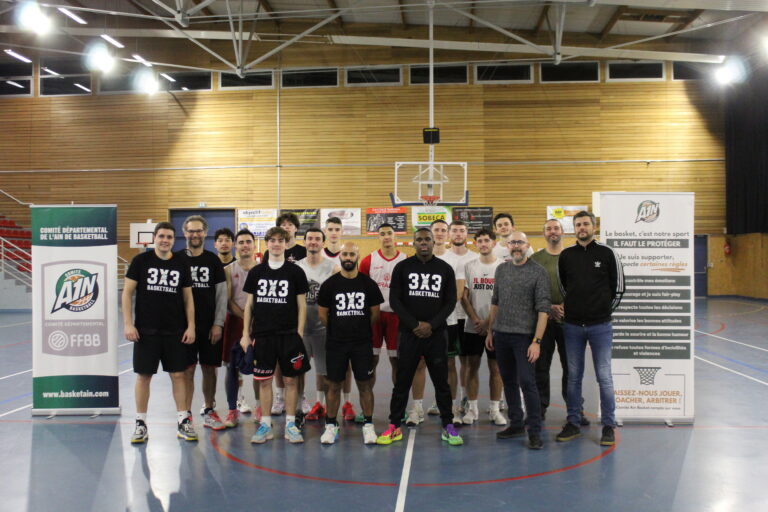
pixel 518 317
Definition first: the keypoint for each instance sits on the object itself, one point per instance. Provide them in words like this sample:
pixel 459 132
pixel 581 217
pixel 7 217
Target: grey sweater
pixel 520 292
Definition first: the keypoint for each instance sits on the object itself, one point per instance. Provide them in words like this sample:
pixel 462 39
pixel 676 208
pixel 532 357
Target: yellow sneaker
pixel 390 435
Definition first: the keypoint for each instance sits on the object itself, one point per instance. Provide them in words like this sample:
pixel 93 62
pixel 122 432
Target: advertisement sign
pixel 308 218
pixel 476 217
pixel 257 221
pixel 565 215
pixel 424 216
pixel 375 217
pixel 350 219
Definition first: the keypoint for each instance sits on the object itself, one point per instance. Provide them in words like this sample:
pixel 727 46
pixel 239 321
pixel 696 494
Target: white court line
pixel 732 341
pixel 16 325
pixel 15 374
pixel 732 371
pixel 403 489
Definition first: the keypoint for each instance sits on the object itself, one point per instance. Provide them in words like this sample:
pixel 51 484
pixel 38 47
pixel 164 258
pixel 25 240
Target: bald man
pixel 348 305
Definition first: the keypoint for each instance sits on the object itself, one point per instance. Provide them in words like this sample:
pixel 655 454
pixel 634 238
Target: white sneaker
pixel 202 409
pixel 456 416
pixel 470 417
pixel 331 434
pixel 502 405
pixel 415 416
pixel 433 410
pixel 278 406
pixel 369 434
pixel 305 406
pixel 243 406
pixel 497 418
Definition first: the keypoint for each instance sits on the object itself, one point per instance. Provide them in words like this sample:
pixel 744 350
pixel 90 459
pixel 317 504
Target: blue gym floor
pixel 719 464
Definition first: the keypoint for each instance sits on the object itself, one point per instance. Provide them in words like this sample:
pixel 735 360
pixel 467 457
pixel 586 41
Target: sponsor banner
pixel 74 309
pixel 652 234
pixel 565 215
pixel 308 218
pixel 476 217
pixel 256 221
pixel 375 217
pixel 350 219
pixel 424 216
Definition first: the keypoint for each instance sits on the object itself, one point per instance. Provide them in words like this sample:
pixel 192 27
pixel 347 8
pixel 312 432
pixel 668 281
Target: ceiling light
pixel 82 87
pixel 146 82
pixel 98 58
pixel 184 88
pixel 112 41
pixel 18 56
pixel 50 71
pixel 732 71
pixel 15 84
pixel 72 15
pixel 167 77
pixel 29 16
pixel 141 59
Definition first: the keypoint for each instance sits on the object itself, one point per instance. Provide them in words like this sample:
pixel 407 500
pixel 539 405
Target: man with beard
pixel 518 317
pixel 348 303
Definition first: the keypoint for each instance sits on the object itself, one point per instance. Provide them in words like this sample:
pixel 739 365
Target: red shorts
pixel 386 330
pixel 233 331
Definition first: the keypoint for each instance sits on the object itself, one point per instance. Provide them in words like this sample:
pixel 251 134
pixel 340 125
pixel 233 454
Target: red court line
pixel 17 343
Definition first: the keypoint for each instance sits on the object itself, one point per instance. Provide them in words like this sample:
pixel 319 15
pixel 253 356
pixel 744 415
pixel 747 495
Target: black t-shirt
pixel 159 293
pixel 349 303
pixel 207 271
pixel 294 254
pixel 422 291
pixel 274 297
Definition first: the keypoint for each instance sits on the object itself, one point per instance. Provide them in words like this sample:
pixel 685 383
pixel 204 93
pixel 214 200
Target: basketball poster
pixel 375 217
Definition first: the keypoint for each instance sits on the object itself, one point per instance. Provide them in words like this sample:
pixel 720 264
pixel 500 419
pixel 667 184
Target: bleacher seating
pixel 16 244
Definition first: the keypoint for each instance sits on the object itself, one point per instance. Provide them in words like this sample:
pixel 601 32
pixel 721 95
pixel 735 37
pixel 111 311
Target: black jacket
pixel 422 292
pixel 592 281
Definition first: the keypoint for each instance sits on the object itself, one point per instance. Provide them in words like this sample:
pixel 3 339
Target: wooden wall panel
pixel 742 272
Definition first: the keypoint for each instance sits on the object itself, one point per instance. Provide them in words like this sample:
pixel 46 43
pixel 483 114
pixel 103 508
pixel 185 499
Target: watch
pixel 537 341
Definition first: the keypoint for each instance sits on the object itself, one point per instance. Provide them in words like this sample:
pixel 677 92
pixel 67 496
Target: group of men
pixel 320 305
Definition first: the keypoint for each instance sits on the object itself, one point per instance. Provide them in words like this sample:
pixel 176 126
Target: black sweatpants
pixel 410 349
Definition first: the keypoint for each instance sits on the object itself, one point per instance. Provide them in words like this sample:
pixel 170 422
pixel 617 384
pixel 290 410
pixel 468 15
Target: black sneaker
pixel 510 432
pixel 300 419
pixel 584 421
pixel 186 431
pixel 569 432
pixel 534 442
pixel 608 438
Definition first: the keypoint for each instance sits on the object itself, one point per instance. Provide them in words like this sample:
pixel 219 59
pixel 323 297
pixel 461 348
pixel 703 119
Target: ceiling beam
pixel 205 10
pixel 268 7
pixel 402 14
pixel 682 26
pixel 471 11
pixel 339 21
pixel 542 19
pixel 612 22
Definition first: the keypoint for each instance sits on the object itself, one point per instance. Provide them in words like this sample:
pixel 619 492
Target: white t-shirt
pixel 501 251
pixel 316 276
pixel 458 262
pixel 479 280
pixel 379 268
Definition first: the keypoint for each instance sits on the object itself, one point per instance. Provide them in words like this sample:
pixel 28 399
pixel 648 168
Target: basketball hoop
pixel 430 200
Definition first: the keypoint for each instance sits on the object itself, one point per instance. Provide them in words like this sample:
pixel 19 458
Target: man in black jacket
pixel 422 293
pixel 592 282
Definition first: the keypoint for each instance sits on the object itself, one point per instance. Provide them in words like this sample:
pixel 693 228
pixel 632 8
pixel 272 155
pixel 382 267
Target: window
pixel 692 70
pixel 444 74
pixel 15 76
pixel 325 77
pixel 185 80
pixel 503 73
pixel 570 72
pixel 254 80
pixel 374 76
pixel 635 71
pixel 63 76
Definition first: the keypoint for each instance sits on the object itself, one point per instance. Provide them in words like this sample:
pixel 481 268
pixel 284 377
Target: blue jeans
pixel 600 339
pixel 517 373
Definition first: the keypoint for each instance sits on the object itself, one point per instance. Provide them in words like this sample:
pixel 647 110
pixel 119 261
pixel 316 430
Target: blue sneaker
pixel 292 433
pixel 263 434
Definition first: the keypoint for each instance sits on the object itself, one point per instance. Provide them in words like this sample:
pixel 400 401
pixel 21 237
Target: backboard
pixel 438 183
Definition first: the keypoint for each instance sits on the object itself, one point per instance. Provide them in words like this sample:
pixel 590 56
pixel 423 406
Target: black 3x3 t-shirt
pixel 349 303
pixel 206 271
pixel 274 297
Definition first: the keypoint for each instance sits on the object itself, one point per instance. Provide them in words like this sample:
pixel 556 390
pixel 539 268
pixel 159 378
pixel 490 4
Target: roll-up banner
pixel 653 339
pixel 74 310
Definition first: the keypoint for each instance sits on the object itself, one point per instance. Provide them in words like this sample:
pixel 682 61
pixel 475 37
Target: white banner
pixel 653 326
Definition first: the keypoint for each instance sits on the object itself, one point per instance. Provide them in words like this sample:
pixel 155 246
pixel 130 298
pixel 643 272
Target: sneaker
pixel 433 410
pixel 186 431
pixel 584 421
pixel 470 417
pixel 140 433
pixel 369 434
pixel 232 418
pixel 456 416
pixel 449 434
pixel 299 421
pixel 360 418
pixel 330 435
pixel 497 418
pixel 293 434
pixel 278 406
pixel 390 435
pixel 316 412
pixel 608 438
pixel 263 434
pixel 464 407
pixel 510 432
pixel 503 404
pixel 243 406
pixel 569 432
pixel 348 411
pixel 305 407
pixel 257 414
pixel 202 409
pixel 415 416
pixel 211 420
pixel 534 442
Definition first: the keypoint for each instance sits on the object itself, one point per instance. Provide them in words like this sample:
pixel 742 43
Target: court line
pixel 732 341
pixel 740 363
pixel 732 371
pixel 15 374
pixel 403 489
pixel 15 325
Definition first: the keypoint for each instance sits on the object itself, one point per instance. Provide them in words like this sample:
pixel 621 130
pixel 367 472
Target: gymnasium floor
pixel 719 464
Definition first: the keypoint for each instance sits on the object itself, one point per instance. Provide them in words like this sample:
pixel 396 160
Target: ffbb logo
pixel 76 290
pixel 647 211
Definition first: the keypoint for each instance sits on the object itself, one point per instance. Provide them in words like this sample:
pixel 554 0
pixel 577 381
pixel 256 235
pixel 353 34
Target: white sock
pixel 473 405
pixel 279 392
pixel 181 415
pixel 321 397
pixel 141 416
pixel 456 402
pixel 418 403
pixel 462 392
pixel 494 405
pixel 345 396
pixel 258 403
pixel 266 420
pixel 290 419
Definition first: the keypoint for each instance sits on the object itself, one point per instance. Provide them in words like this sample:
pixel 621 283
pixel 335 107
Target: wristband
pixel 536 341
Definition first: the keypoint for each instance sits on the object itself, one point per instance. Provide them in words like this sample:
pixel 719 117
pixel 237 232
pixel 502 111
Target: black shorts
pixel 339 354
pixel 287 350
pixel 453 335
pixel 150 350
pixel 203 351
pixel 473 344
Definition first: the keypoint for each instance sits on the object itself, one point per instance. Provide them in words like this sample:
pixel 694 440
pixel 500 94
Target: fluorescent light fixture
pixel 167 77
pixel 141 59
pixel 145 81
pixel 30 17
pixel 15 84
pixel 732 71
pixel 112 41
pixel 50 71
pixel 72 15
pixel 82 87
pixel 17 56
pixel 98 58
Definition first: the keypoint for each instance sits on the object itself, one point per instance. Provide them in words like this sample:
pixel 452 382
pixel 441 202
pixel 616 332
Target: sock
pixel 266 420
pixel 419 404
pixel 258 403
pixel 462 392
pixel 279 392
pixel 331 421
pixel 369 419
pixel 321 397
pixel 141 416
pixel 182 415
pixel 345 396
pixel 456 402
pixel 494 405
pixel 473 405
pixel 290 419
